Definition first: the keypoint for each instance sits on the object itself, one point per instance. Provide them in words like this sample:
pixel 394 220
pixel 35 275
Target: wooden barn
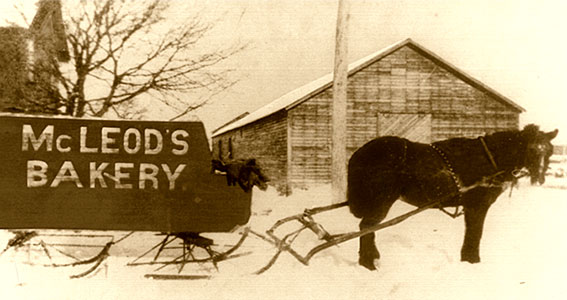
pixel 403 90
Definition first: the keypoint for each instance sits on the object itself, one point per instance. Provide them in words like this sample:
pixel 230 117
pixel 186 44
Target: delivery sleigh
pixel 72 189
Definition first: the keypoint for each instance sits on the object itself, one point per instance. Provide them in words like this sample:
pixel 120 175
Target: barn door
pixel 414 127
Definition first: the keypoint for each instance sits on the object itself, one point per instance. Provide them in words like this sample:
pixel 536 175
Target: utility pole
pixel 339 112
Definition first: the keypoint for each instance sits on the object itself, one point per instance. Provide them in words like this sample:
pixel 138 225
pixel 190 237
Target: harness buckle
pixel 519 173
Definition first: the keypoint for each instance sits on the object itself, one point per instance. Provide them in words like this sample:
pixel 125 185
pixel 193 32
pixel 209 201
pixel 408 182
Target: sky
pixel 516 47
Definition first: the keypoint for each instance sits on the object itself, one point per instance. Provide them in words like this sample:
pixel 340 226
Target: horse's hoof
pixel 370 264
pixel 471 259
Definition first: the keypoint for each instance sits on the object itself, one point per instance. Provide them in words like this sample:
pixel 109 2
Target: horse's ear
pixel 251 162
pixel 552 134
pixel 218 162
pixel 531 129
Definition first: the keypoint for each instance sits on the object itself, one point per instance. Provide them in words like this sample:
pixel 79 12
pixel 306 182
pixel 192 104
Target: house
pixel 48 32
pixel 13 66
pixel 403 90
pixel 43 45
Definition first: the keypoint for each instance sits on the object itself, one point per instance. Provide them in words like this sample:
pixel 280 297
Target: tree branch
pixel 123 49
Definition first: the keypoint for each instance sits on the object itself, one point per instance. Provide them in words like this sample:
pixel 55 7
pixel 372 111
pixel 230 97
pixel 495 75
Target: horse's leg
pixel 474 222
pixel 475 213
pixel 368 252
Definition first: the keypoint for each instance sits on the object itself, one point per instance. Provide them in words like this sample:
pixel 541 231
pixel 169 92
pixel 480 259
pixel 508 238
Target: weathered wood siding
pixel 404 82
pixel 310 138
pixel 265 140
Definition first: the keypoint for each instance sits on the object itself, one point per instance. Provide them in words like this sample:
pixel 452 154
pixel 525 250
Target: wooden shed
pixel 403 90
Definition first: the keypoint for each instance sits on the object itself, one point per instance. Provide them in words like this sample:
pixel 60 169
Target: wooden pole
pixel 339 113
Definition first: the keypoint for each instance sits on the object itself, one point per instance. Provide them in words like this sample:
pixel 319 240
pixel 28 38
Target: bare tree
pixel 122 49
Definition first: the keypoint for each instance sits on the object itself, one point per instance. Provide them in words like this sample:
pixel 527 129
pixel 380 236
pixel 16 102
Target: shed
pixel 403 90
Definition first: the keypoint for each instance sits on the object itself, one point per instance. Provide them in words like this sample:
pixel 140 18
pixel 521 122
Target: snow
pixel 522 251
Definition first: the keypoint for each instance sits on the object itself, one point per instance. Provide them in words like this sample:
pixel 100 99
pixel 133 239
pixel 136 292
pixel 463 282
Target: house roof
pixel 307 91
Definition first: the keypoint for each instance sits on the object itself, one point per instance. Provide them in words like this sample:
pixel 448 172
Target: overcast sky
pixel 517 47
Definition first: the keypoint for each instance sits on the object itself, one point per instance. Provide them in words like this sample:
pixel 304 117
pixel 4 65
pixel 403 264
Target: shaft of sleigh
pixel 352 235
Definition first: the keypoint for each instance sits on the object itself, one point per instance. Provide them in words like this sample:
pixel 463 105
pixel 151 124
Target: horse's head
pixel 218 165
pixel 251 175
pixel 539 149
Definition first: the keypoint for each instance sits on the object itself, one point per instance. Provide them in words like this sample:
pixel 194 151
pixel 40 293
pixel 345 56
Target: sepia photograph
pixel 288 149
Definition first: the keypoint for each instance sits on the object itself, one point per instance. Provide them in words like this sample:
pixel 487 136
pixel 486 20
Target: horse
pixel 245 172
pixel 390 168
pixel 218 165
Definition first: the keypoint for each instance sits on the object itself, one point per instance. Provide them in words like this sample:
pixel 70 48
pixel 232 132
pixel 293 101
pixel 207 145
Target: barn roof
pixel 307 91
pixel 231 121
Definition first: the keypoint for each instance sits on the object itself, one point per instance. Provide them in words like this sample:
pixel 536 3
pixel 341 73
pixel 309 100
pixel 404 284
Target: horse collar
pixel 488 153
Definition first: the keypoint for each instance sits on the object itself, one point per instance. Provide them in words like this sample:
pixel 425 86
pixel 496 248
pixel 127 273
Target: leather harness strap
pixel 488 153
pixel 456 180
pixel 449 166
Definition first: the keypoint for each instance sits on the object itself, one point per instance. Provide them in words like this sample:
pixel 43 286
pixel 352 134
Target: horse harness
pixel 516 173
pixel 455 179
pixel 485 181
pixel 488 153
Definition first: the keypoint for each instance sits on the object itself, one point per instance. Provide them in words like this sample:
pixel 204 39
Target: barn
pixel 404 90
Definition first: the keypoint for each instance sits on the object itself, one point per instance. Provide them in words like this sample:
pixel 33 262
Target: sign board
pixel 66 173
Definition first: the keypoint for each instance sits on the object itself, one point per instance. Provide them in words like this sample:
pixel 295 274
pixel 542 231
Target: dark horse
pixel 391 168
pixel 245 172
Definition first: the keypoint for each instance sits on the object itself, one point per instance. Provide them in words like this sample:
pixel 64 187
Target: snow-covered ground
pixel 523 255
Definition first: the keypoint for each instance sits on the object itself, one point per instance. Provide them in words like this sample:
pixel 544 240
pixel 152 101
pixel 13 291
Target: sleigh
pixel 131 176
pixel 72 187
